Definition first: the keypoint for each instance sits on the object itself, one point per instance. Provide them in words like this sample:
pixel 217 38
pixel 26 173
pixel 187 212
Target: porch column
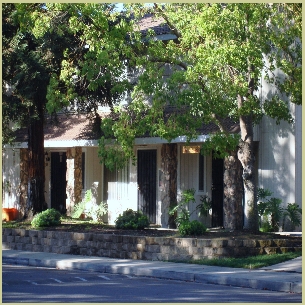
pixel 73 177
pixel 168 181
pixel 233 193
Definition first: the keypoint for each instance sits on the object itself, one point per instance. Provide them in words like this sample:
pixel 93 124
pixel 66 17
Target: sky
pixel 120 5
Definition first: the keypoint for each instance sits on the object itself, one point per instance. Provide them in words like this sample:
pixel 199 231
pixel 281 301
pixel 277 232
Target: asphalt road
pixel 32 284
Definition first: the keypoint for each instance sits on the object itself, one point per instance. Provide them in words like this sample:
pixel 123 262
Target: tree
pixel 26 71
pixel 221 53
pixel 56 56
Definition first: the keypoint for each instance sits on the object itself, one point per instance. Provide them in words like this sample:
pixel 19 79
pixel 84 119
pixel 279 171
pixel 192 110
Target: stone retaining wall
pixel 134 247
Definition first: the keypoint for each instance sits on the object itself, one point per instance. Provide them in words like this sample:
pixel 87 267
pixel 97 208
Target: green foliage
pixel 181 209
pixel 112 155
pixel 269 208
pixel 221 144
pixel 233 48
pixel 251 262
pixel 185 226
pixel 47 218
pixel 265 225
pixel 293 212
pixel 75 53
pixel 94 211
pixel 17 224
pixel 78 209
pixel 133 220
pixel 97 211
pixel 205 205
pixel 263 193
pixel 278 109
pixel 191 228
pixel 272 213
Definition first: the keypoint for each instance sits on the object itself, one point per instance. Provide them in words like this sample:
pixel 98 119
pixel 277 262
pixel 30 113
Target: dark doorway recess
pixel 217 192
pixel 147 183
pixel 58 181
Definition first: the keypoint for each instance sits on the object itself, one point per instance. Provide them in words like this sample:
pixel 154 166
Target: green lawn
pixel 251 262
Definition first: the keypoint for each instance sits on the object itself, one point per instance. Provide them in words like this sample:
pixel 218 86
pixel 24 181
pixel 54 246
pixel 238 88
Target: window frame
pixel 202 176
pixel 83 170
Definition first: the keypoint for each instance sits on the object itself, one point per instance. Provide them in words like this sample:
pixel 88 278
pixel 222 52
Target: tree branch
pixel 171 26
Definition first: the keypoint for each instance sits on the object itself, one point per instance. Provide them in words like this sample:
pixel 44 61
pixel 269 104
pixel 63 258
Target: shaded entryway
pixel 58 181
pixel 147 183
pixel 217 192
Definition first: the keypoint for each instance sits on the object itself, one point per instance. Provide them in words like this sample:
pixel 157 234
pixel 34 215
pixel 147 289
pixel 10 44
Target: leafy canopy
pixel 74 53
pixel 221 52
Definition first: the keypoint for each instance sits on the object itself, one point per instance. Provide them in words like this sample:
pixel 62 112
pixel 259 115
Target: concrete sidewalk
pixel 286 277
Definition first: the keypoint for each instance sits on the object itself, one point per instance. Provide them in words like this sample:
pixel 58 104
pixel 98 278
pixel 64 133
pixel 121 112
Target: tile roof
pixel 81 127
pixel 157 24
pixel 68 127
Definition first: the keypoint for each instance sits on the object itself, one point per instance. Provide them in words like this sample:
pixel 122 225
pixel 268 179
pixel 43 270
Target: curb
pixel 241 281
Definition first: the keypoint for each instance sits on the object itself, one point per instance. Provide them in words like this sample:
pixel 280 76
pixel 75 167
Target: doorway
pixel 147 183
pixel 58 181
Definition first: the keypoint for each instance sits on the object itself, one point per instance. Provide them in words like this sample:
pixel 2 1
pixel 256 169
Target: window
pixel 201 177
pixel 83 170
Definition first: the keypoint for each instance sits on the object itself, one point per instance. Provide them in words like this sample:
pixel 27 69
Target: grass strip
pixel 251 262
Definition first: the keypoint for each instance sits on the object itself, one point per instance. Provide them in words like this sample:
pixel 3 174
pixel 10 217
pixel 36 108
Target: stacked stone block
pixel 143 248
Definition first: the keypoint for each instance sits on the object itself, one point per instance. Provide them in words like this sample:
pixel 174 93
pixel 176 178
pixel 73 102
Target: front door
pixel 217 192
pixel 58 181
pixel 147 183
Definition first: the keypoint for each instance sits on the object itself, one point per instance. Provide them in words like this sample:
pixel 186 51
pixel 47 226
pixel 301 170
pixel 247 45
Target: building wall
pixel 298 154
pixel 93 171
pixel 279 168
pixel 10 178
pixel 119 191
pixel 280 152
pixel 188 178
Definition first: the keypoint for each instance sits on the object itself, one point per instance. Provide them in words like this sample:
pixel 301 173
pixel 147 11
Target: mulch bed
pixel 152 232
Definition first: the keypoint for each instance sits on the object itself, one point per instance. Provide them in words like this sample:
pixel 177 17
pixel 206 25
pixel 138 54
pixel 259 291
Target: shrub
pixel 92 210
pixel 78 209
pixel 271 212
pixel 191 228
pixel 97 211
pixel 266 226
pixel 293 212
pixel 131 220
pixel 47 218
pixel 181 210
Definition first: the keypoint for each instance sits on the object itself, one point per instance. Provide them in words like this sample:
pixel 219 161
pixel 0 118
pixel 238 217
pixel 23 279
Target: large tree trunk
pixel 247 159
pixel 36 169
pixel 233 193
pixel 168 182
pixel 246 156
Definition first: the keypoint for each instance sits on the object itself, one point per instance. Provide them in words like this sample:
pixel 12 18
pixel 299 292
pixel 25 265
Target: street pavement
pixel 284 277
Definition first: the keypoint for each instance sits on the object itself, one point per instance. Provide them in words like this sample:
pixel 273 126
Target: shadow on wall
pixel 277 154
